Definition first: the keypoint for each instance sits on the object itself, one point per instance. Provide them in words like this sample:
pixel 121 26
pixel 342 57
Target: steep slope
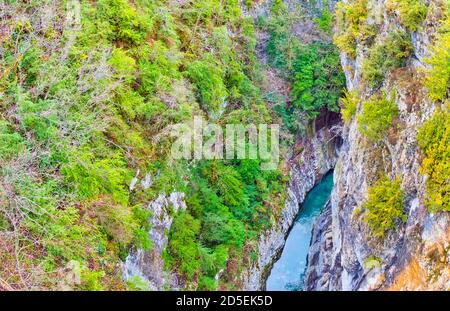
pixel 388 226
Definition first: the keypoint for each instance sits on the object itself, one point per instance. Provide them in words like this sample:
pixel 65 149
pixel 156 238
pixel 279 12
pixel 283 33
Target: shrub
pixel 123 64
pixel 282 45
pixel 350 20
pixel 117 220
pixel 207 78
pixel 137 283
pixel 207 283
pixel 38 117
pixel 89 176
pixel 384 56
pixel 314 68
pixel 411 12
pixel 376 116
pixel 384 206
pixel 124 22
pixel 437 79
pixel 213 260
pixel 372 262
pixel 158 67
pixel 183 248
pixel 349 105
pixel 434 140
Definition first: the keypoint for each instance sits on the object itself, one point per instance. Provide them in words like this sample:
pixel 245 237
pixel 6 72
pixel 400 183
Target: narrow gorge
pixel 115 122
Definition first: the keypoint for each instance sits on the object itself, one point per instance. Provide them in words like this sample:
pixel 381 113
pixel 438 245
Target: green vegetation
pixel 282 45
pixel 376 116
pixel 386 55
pixel 384 206
pixel 351 24
pixel 325 21
pixel 314 68
pixel 434 136
pixel 434 140
pixel 318 79
pixel 437 79
pixel 85 106
pixel 372 262
pixel 349 105
pixel 229 205
pixel 209 82
pixel 11 143
pixel 411 12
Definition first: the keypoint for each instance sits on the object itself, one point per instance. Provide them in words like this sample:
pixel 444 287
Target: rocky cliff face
pixel 414 256
pixel 149 265
pixel 318 156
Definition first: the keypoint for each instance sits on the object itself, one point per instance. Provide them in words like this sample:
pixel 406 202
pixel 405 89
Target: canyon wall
pixel 318 156
pixel 415 255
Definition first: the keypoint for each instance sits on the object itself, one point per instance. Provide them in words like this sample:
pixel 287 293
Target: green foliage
pixel 30 64
pixel 437 79
pixel 83 108
pixel 38 117
pixel 376 116
pixel 350 21
pixel 226 202
pixel 212 261
pixel 91 280
pixel 325 21
pixel 313 68
pixel 349 105
pixel 386 55
pixel 124 65
pixel 121 21
pixel 434 140
pixel 384 206
pixel 372 262
pixel 11 143
pixel 158 70
pixel 282 46
pixel 91 177
pixel 207 283
pixel 136 283
pixel 411 12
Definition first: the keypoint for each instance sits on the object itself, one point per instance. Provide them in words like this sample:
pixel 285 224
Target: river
pixel 288 271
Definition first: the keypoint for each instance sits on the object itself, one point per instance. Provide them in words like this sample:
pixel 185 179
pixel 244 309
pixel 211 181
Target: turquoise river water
pixel 288 272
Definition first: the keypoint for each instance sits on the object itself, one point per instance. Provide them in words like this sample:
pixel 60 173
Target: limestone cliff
pixel 317 157
pixel 415 255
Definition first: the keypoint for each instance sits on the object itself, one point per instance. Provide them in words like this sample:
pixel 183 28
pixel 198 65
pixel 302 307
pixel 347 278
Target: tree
pixel 183 248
